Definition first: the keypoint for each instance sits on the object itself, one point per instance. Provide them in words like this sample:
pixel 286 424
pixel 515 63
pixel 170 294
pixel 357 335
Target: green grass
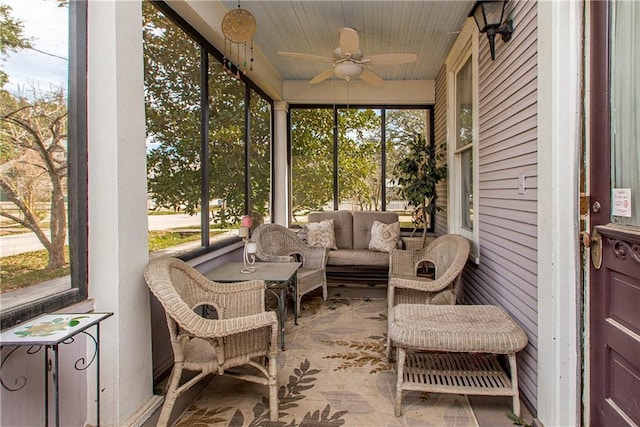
pixel 9 229
pixel 154 213
pixel 162 239
pixel 29 268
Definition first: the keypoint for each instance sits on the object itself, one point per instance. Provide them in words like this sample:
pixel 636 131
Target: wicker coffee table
pixel 454 349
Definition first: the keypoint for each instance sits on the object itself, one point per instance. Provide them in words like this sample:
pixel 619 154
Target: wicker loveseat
pixel 352 259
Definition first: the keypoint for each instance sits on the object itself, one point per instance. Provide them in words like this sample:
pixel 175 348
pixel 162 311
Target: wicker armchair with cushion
pixel 276 243
pixel 243 333
pixel 446 255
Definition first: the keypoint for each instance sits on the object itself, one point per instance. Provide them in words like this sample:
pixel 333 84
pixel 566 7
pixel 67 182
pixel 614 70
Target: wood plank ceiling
pixel 426 28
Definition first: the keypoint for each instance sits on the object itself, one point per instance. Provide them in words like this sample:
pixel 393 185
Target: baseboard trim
pixel 145 412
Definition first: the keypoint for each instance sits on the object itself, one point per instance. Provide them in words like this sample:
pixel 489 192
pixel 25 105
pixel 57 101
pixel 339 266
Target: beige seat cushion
pixel 456 328
pixel 358 257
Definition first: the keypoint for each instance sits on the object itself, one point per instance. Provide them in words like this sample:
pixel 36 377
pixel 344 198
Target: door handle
pixel 594 243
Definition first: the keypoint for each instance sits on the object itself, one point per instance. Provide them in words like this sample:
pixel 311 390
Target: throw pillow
pixel 384 237
pixel 320 234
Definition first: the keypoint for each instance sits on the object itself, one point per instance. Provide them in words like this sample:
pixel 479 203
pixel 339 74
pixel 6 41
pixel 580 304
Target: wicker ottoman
pixel 454 348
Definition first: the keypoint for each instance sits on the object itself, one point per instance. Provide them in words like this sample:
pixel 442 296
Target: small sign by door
pixel 622 202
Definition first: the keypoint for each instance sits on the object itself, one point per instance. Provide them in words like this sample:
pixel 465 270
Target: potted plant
pixel 417 175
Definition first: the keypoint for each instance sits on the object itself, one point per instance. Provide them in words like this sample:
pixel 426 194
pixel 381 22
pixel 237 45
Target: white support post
pixel 559 115
pixel 281 176
pixel 118 248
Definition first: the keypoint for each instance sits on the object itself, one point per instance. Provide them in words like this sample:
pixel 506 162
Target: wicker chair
pixel 447 255
pixel 276 243
pixel 243 333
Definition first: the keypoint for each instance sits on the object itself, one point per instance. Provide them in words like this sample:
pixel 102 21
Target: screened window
pixel 259 158
pixel 227 149
pixel 353 168
pixel 311 160
pixel 43 199
pixel 173 115
pixel 359 159
pixel 401 126
pixel 208 140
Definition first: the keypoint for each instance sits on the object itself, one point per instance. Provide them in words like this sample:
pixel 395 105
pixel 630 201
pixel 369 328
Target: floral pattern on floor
pixel 333 372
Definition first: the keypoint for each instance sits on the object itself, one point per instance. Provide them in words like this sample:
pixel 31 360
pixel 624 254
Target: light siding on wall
pixel 440 131
pixel 507 273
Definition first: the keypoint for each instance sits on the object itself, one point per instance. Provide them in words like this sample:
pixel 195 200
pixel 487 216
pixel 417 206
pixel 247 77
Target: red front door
pixel 614 280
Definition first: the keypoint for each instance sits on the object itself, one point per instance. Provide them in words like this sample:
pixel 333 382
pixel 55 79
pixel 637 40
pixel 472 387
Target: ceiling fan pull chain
pixel 348 81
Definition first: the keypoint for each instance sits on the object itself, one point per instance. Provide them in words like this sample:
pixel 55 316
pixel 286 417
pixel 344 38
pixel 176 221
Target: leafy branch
pixel 418 174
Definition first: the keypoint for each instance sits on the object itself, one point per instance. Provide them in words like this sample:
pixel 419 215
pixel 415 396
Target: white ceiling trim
pixel 396 92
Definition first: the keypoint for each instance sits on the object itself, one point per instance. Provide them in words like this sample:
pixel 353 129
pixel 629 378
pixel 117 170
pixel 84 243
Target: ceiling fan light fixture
pixel 347 70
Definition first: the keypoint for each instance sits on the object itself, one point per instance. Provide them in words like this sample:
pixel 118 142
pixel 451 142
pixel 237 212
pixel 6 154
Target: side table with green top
pixel 49 331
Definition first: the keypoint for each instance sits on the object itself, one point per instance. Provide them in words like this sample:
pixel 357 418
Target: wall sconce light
pixel 488 16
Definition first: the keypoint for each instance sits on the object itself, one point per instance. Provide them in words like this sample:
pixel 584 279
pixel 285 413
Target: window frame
pixel 77 179
pixel 465 48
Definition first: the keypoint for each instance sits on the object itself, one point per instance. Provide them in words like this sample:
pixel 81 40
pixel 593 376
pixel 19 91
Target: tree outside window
pixel 206 165
pixel 370 142
pixel 33 143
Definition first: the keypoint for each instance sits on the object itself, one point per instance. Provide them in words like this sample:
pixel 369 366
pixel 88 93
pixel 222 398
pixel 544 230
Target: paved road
pixel 19 243
pixel 163 222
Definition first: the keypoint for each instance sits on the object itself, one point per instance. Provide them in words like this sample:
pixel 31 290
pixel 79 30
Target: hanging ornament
pixel 251 65
pixel 239 28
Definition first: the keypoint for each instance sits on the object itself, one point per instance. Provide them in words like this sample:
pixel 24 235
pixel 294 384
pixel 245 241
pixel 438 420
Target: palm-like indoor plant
pixel 417 175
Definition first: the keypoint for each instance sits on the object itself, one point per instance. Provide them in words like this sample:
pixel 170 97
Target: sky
pixel 46 25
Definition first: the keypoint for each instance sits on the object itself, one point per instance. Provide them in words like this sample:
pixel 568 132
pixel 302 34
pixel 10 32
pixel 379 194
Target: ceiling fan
pixel 349 61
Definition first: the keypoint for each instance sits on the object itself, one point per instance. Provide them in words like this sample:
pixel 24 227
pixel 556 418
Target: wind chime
pixel 238 28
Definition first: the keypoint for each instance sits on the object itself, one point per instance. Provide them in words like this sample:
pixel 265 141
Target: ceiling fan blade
pixel 349 40
pixel 322 76
pixel 390 58
pixel 371 78
pixel 306 56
